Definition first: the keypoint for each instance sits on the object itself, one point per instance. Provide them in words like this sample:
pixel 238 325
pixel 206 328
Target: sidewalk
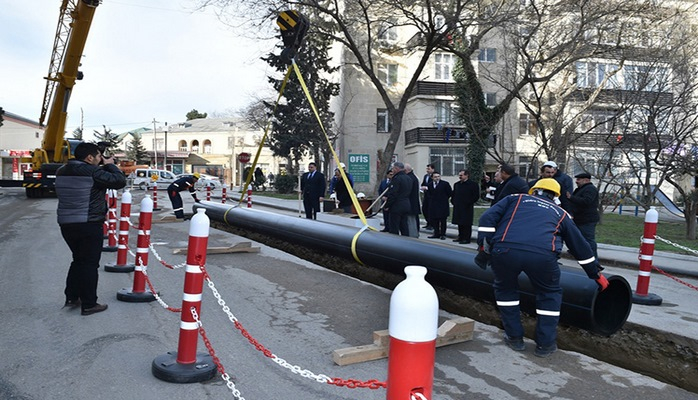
pixel 610 255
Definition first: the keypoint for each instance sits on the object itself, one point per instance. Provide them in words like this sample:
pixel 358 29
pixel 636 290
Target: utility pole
pixel 155 144
pixel 165 157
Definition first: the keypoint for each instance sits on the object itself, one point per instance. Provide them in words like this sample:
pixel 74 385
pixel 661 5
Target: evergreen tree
pixel 135 150
pixel 295 130
pixel 1 114
pixel 113 141
pixel 195 114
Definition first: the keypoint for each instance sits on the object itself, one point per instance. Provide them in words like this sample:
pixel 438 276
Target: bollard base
pixel 157 209
pixel 119 268
pixel 110 249
pixel 130 296
pixel 650 299
pixel 166 368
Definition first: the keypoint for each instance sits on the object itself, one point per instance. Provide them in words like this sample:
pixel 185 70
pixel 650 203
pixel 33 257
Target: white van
pixel 144 178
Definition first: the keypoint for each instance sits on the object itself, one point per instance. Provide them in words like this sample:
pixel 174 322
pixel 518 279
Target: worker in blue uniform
pixel 180 185
pixel 524 233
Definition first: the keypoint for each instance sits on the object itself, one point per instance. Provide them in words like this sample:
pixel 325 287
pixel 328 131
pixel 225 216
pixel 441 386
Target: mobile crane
pixel 71 34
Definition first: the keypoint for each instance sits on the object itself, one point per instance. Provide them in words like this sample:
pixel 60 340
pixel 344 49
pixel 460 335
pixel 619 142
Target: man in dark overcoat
pixel 465 195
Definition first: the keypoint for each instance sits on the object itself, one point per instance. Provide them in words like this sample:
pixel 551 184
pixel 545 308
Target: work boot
pixel 514 343
pixel 545 351
pixel 93 310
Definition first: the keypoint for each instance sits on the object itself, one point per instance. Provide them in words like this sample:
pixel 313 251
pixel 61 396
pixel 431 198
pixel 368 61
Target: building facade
pixel 19 136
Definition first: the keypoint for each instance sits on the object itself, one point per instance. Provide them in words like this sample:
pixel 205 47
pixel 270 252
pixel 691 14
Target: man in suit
pixel 313 189
pixel 439 193
pixel 425 202
pixel 413 224
pixel 385 183
pixel 397 200
pixel 512 183
pixel 465 195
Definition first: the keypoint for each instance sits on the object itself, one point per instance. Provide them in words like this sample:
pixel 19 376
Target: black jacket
pixel 514 185
pixel 81 190
pixel 399 194
pixel 585 204
pixel 313 188
pixel 465 195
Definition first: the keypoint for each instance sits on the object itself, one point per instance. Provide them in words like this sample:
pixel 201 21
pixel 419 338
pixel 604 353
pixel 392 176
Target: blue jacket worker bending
pixel 180 185
pixel 524 233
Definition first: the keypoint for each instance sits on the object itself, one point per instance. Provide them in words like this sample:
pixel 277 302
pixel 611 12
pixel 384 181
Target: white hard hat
pixel 360 195
pixel 333 196
pixel 550 164
pixel 342 165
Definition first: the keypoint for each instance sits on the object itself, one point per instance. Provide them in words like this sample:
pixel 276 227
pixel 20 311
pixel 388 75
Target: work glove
pixel 482 259
pixel 602 282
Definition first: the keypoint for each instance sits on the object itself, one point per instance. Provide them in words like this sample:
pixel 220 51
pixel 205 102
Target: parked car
pixel 205 180
pixel 144 178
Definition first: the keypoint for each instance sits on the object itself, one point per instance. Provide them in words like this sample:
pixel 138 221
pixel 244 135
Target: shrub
pixel 285 183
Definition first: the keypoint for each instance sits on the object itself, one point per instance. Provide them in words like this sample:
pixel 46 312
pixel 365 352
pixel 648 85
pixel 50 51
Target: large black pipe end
pixel 611 308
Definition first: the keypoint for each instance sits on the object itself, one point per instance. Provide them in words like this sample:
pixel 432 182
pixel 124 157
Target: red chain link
pixel 211 352
pixel 354 383
pixel 152 290
pixel 675 278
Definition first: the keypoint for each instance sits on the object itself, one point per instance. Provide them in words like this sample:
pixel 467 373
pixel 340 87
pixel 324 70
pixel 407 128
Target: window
pixel 491 99
pixel 207 146
pixel 183 145
pixel 383 120
pixel 388 32
pixel 599 121
pixel 387 74
pixel 440 23
pixel 487 55
pixel 443 65
pixel 446 112
pixel 447 160
pixel 195 146
pixel 644 78
pixel 527 124
pixel 591 75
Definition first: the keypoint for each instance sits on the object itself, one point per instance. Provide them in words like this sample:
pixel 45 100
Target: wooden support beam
pixel 242 247
pixel 452 331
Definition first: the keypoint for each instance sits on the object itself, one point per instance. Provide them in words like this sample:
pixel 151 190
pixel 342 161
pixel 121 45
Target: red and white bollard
pixel 185 365
pixel 121 264
pixel 641 295
pixel 224 194
pixel 139 293
pixel 155 197
pixel 249 198
pixel 413 326
pixel 105 226
pixel 208 192
pixel 111 218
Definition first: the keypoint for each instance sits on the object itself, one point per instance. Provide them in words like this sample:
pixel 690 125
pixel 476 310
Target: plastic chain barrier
pixel 224 375
pixel 320 378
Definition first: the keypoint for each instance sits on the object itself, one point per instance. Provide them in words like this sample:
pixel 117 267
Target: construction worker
pixel 524 233
pixel 182 184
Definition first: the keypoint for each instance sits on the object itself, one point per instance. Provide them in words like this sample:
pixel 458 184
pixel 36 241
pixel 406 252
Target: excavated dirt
pixel 664 356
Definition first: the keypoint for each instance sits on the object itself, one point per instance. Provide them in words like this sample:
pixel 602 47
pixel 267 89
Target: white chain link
pixel 320 378
pixel 418 396
pixel 228 382
pixel 157 256
pixel 667 241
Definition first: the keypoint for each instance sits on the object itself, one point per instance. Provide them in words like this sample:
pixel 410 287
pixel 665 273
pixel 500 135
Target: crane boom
pixel 71 34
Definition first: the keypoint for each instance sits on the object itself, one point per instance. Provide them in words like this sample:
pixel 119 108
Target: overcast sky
pixel 143 61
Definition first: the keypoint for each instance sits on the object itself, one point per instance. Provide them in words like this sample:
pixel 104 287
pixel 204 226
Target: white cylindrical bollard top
pixel 200 224
pixel 414 308
pixel 147 204
pixel 126 197
pixel 652 216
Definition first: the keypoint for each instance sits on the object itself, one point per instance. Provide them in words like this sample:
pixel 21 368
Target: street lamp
pixel 155 144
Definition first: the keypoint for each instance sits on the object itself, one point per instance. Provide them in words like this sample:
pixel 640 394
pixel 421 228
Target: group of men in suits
pixel 438 196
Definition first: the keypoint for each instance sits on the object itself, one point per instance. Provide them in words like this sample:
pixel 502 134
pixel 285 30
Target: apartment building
pixel 19 136
pixel 209 145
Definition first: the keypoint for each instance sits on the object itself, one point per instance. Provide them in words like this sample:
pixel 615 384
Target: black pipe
pixel 449 267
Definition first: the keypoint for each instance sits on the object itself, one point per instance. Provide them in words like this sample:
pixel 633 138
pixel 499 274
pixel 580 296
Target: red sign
pixel 244 157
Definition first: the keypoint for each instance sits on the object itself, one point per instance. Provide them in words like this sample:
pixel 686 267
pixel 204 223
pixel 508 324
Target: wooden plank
pixel 452 331
pixel 242 247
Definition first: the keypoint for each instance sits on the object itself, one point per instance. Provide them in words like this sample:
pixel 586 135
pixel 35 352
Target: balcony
pixel 435 135
pixel 424 88
pixel 634 142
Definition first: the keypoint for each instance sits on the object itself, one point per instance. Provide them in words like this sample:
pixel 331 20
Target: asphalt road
pixel 299 311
